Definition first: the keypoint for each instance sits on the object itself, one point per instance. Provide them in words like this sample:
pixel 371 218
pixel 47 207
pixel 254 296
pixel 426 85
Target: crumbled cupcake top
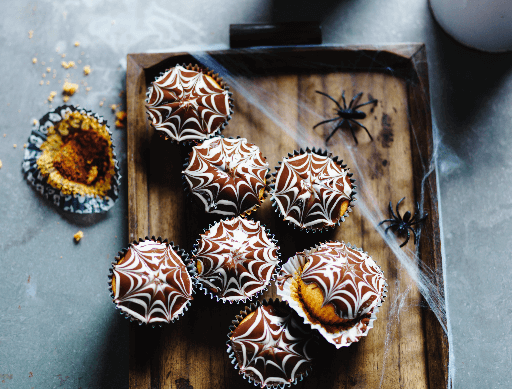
pixel 235 259
pixel 77 156
pixel 227 175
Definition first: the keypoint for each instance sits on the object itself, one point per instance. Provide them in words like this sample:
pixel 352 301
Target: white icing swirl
pixel 152 283
pixel 227 175
pixel 271 346
pixel 236 259
pixel 310 190
pixel 187 105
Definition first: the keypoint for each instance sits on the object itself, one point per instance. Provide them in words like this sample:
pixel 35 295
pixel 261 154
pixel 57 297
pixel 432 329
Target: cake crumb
pixel 41 82
pixel 69 88
pixel 54 75
pixel 87 69
pixel 120 119
pixel 44 75
pixel 34 122
pixel 113 107
pixel 52 95
pixel 79 235
pixel 67 65
pixel 121 94
pixel 1 164
pixel 77 44
pixel 79 61
pixel 14 145
pixel 5 135
pixel 48 70
pixel 65 98
pixel 63 55
pixel 34 60
pixel 24 145
pixel 101 103
pixel 88 89
pixel 30 34
pixel 48 82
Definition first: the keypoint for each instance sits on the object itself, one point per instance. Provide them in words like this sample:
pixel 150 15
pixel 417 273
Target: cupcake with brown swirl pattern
pixel 151 281
pixel 313 190
pixel 227 176
pixel 335 288
pixel 188 103
pixel 270 346
pixel 235 259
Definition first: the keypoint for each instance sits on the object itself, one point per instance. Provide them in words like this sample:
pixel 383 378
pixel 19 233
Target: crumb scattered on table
pixel 120 119
pixel 34 122
pixel 79 235
pixel 1 164
pixel 63 55
pixel 52 95
pixel 113 107
pixel 77 44
pixel 34 60
pixel 14 145
pixel 67 65
pixel 69 88
pixel 30 34
pixel 44 75
pixel 48 70
pixel 87 69
pixel 101 103
pixel 41 82
pixel 24 145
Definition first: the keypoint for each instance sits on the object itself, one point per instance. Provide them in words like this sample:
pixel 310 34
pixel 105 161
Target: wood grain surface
pixel 407 347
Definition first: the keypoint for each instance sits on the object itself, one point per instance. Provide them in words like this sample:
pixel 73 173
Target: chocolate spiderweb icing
pixel 186 104
pixel 349 279
pixel 271 346
pixel 151 282
pixel 237 259
pixel 227 175
pixel 310 190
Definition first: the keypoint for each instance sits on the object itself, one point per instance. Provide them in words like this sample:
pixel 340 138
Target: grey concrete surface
pixel 57 325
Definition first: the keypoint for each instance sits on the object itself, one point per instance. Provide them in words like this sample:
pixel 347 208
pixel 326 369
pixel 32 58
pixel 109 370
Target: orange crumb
pixel 48 70
pixel 77 44
pixel 87 69
pixel 65 98
pixel 24 145
pixel 79 235
pixel 34 60
pixel 30 34
pixel 52 95
pixel 101 103
pixel 113 107
pixel 15 145
pixel 69 88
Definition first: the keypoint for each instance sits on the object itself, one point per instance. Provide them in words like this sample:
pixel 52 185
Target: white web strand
pixel 424 277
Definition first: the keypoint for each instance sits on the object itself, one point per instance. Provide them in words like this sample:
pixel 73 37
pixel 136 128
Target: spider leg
pixel 354 100
pixel 344 102
pixel 384 221
pixel 387 229
pixel 397 205
pixel 325 121
pixel 326 95
pixel 352 130
pixel 359 124
pixel 368 102
pixel 420 220
pixel 407 239
pixel 413 233
pixel 335 129
pixel 391 210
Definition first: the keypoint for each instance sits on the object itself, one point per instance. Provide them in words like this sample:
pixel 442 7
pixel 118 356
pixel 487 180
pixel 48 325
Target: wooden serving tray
pixel 407 348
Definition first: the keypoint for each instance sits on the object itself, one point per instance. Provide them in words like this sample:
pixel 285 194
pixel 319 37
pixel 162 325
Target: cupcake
pixel 235 259
pixel 313 190
pixel 335 288
pixel 70 160
pixel 150 281
pixel 270 345
pixel 188 103
pixel 228 176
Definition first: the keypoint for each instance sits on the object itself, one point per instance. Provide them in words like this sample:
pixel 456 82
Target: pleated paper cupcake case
pixel 340 339
pixel 81 204
pixel 339 162
pixel 188 264
pixel 217 79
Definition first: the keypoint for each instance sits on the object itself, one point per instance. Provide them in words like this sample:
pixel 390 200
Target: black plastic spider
pixel 347 114
pixel 402 225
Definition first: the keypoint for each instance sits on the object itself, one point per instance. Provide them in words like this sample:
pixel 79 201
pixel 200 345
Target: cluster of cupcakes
pixel 332 290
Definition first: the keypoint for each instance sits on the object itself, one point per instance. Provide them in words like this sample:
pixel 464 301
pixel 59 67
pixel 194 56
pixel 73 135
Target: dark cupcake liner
pixel 194 198
pixel 342 338
pixel 238 319
pixel 205 70
pixel 186 261
pixel 75 203
pixel 324 153
pixel 214 296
